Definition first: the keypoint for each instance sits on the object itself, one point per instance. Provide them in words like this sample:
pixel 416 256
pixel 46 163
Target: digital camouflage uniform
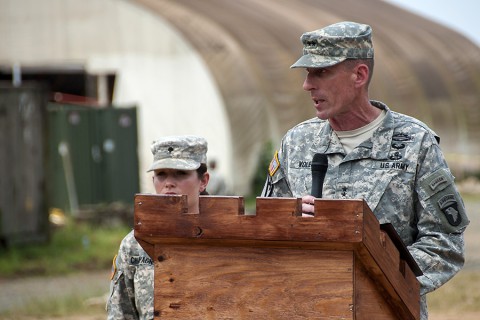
pixel 402 175
pixel 131 287
pixel 400 171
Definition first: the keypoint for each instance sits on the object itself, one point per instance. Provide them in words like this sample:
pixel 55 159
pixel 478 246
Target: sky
pixel 460 15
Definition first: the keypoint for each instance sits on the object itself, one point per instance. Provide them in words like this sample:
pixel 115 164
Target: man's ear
pixel 361 74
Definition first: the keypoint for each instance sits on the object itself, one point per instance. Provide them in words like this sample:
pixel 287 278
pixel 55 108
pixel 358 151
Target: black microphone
pixel 319 169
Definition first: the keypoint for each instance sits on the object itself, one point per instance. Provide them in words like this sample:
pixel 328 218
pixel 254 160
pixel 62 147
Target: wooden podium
pixel 225 264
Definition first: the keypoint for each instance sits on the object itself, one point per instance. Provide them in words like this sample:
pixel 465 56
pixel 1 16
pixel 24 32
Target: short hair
pixel 351 63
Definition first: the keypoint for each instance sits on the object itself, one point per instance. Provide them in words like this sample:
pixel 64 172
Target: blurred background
pixel 86 86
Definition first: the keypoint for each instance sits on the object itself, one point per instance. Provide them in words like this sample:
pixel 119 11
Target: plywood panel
pixel 221 282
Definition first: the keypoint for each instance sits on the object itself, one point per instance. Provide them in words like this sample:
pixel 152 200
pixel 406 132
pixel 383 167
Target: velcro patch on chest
pixel 387 165
pixel 140 260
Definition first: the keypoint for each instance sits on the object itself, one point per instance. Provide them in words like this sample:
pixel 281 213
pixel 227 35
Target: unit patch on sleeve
pixel 449 206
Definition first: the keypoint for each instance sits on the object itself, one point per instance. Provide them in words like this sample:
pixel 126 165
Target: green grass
pixel 72 248
pixel 76 246
pixel 461 294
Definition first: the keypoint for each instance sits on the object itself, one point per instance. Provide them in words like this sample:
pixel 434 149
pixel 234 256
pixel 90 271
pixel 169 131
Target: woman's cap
pixel 179 152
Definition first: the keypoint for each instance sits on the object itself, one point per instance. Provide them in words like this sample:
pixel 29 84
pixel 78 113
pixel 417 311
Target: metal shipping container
pixel 92 156
pixel 23 209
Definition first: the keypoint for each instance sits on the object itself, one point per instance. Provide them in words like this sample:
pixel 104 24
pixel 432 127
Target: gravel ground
pixel 16 292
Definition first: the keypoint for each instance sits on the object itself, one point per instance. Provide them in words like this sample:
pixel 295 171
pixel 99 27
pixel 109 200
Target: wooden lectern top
pixel 286 248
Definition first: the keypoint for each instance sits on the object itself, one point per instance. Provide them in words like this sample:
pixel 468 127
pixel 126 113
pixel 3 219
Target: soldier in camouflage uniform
pixel 179 168
pixel 390 160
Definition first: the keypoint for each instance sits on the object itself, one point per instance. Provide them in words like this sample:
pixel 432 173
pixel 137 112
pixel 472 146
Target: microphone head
pixel 319 162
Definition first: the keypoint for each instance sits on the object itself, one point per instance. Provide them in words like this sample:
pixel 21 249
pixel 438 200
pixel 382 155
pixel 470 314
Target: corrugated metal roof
pixel 422 68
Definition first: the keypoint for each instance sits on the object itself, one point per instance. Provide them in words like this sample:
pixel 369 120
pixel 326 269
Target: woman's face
pixel 187 182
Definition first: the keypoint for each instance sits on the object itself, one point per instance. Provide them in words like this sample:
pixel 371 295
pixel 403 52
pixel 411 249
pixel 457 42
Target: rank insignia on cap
pixel 448 205
pixel 274 164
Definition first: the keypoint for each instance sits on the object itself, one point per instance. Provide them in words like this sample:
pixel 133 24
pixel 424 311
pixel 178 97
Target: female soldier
pixel 179 167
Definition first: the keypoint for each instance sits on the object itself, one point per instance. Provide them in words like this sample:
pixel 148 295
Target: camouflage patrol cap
pixel 335 43
pixel 179 152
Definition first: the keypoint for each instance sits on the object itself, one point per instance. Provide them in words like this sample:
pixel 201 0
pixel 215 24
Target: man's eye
pixel 319 71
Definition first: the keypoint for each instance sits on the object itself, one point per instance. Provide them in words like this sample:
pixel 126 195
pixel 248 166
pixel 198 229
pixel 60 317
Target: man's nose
pixel 307 84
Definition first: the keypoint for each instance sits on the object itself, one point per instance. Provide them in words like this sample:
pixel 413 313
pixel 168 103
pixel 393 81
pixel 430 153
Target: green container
pixel 23 214
pixel 93 156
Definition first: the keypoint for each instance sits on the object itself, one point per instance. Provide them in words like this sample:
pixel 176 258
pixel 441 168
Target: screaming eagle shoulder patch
pixel 274 164
pixel 449 206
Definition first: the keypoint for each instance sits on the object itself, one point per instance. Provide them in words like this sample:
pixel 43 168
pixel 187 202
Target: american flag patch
pixel 274 165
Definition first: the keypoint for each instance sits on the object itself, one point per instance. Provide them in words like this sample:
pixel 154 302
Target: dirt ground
pixel 16 292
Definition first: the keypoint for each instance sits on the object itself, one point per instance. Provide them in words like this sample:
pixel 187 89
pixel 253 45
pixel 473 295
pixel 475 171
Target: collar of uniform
pixel 326 146
pixel 380 149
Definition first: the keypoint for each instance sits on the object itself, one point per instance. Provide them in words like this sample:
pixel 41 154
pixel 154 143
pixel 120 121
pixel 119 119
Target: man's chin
pixel 322 116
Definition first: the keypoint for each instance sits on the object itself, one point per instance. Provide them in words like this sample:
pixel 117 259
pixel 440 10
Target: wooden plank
pixel 386 270
pixel 221 205
pixel 157 218
pixel 205 282
pixel 147 207
pixel 389 247
pixel 401 247
pixel 369 298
